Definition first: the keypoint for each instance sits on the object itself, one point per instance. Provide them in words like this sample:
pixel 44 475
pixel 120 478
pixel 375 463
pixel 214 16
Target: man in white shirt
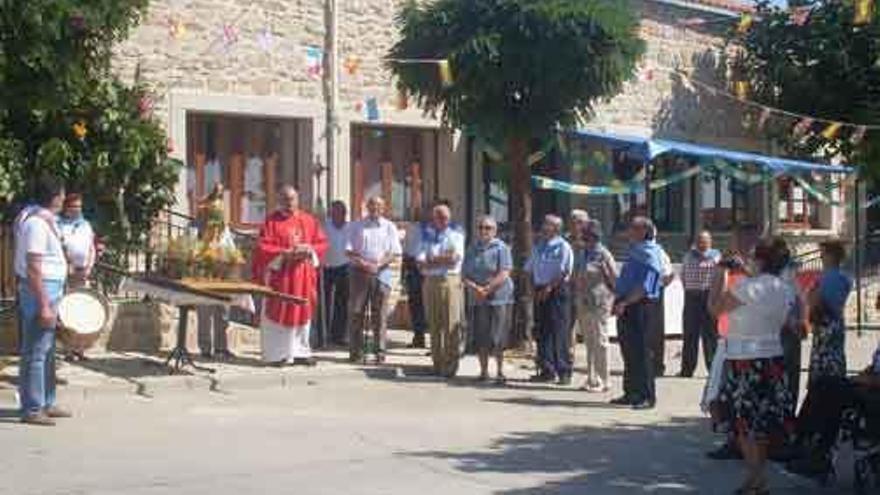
pixel 440 258
pixel 336 274
pixel 41 269
pixel 374 244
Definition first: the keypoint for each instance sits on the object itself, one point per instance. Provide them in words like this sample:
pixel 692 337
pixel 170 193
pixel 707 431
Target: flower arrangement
pixel 186 257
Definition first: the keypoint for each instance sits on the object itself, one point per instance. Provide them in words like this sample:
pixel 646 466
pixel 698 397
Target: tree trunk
pixel 521 220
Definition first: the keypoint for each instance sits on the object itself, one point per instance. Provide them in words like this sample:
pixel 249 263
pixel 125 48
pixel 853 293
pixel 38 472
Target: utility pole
pixel 331 93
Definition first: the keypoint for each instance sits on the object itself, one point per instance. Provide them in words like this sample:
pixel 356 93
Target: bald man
pixel 440 259
pixel 373 245
pixel 551 265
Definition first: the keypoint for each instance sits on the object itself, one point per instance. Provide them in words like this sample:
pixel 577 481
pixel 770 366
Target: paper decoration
pixel 864 12
pixel 80 130
pixel 228 36
pixel 145 106
pixel 372 109
pixel 314 61
pixel 799 16
pixel 402 99
pixel 352 64
pixel 176 28
pixel 858 135
pixel 802 126
pixel 445 72
pixel 646 74
pixel 831 131
pixel 266 40
pixel 762 119
pixel 741 90
pixel 745 23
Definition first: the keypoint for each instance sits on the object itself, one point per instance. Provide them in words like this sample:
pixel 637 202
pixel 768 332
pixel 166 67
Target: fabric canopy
pixel 650 148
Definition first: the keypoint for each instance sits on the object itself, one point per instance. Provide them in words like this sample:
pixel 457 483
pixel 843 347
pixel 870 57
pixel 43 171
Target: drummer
pixel 79 246
pixel 41 269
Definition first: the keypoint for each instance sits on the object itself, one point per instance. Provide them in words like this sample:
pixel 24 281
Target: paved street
pixel 338 429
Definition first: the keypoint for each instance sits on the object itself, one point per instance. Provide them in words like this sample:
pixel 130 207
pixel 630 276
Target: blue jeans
pixel 36 374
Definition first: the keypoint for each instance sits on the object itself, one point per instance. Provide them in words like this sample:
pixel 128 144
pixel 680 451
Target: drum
pixel 82 316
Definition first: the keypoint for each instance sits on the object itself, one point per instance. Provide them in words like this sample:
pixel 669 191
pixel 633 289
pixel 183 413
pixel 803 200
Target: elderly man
pixel 440 258
pixel 373 246
pixel 697 269
pixel 336 274
pixel 637 288
pixel 550 265
pixel 286 258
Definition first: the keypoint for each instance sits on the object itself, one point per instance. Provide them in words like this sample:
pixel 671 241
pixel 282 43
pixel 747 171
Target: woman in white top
pixel 754 401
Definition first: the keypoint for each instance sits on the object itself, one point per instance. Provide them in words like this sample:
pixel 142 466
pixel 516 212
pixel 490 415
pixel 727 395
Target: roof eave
pixel 711 9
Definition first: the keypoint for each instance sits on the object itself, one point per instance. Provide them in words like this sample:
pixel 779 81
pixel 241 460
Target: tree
pixel 521 69
pixel 63 111
pixel 818 62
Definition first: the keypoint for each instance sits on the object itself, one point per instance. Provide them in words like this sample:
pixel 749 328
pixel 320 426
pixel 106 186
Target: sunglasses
pixel 486 227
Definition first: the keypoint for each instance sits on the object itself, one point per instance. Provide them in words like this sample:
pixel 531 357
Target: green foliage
pixel 62 111
pixel 519 67
pixel 827 68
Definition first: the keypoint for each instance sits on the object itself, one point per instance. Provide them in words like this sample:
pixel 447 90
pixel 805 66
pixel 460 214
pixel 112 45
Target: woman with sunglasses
pixel 487 266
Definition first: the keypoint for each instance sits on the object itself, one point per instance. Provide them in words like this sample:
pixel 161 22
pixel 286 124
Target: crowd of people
pixel 744 306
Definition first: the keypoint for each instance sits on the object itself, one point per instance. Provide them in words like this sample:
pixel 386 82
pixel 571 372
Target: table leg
pixel 180 354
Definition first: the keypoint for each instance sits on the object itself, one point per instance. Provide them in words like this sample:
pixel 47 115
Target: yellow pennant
pixel 741 89
pixel 831 131
pixel 864 12
pixel 745 23
pixel 445 72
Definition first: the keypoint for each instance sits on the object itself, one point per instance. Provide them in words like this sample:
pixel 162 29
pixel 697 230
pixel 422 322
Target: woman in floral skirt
pixel 754 402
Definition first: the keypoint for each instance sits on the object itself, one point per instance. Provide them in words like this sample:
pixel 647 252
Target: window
pixel 726 203
pixel 391 162
pixel 799 209
pixel 250 156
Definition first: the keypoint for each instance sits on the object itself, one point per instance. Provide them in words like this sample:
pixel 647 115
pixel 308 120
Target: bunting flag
pixel 864 12
pixel 352 64
pixel 314 61
pixel 858 135
pixel 266 40
pixel 741 89
pixel 799 16
pixel 812 191
pixel 445 72
pixel 763 118
pixel 229 36
pixel 832 130
pixel 745 23
pixel 738 174
pixel 372 105
pixel 616 187
pixel 803 126
pixel 176 28
pixel 402 99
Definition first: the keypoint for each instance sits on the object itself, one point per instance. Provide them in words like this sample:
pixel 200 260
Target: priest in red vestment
pixel 286 258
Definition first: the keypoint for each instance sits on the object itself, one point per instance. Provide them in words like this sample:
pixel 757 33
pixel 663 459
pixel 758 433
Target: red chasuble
pixel 281 232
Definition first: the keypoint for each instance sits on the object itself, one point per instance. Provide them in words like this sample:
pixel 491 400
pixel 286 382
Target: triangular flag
pixel 445 72
pixel 314 61
pixel 372 109
pixel 741 89
pixel 864 12
pixel 802 126
pixel 266 40
pixel 858 135
pixel 762 119
pixel 799 15
pixel 352 64
pixel 402 99
pixel 176 28
pixel 831 131
pixel 745 23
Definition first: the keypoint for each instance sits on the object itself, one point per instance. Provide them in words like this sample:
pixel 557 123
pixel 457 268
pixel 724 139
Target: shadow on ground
pixel 621 458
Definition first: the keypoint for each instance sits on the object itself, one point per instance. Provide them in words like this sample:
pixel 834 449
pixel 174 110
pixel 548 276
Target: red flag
pixel 803 126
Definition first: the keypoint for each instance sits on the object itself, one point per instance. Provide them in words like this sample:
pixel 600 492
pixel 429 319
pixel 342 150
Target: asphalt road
pixel 372 432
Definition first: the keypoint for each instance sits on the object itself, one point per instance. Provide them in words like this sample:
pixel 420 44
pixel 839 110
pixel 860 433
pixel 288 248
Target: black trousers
pixel 657 335
pixel 638 356
pixel 818 423
pixel 791 346
pixel 336 282
pixel 699 324
pixel 412 279
pixel 552 331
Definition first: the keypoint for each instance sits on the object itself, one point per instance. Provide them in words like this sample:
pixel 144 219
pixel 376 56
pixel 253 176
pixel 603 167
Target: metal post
pixel 857 251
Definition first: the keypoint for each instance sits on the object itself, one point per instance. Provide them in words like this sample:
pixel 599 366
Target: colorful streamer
pixel 372 105
pixel 445 72
pixel 314 61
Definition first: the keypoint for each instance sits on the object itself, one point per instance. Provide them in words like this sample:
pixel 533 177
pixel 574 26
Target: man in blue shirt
pixel 551 265
pixel 638 286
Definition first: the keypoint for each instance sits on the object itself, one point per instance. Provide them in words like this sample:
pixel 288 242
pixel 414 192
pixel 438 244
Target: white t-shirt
pixel 755 327
pixel 338 239
pixel 374 239
pixel 38 237
pixel 79 239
